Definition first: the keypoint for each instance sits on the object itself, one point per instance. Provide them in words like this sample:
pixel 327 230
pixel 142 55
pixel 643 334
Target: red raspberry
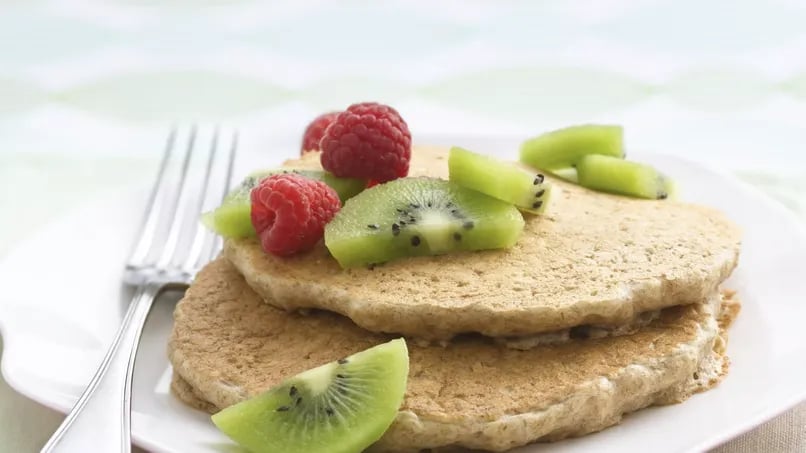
pixel 314 132
pixel 289 212
pixel 368 141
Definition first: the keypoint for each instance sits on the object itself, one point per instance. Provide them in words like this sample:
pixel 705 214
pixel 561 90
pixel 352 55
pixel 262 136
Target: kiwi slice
pixel 563 148
pixel 339 407
pixel 670 187
pixel 503 180
pixel 610 174
pixel 569 174
pixel 233 218
pixel 419 216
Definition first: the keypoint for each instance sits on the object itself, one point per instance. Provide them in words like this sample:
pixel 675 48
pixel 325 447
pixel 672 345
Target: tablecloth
pixel 88 88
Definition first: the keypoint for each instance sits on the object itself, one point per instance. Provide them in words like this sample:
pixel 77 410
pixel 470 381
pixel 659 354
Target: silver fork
pixel 161 258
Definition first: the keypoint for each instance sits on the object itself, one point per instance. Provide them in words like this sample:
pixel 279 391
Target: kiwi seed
pixel 336 415
pixel 423 215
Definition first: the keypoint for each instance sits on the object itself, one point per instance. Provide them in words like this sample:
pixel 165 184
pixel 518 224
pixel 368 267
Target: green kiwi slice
pixel 610 174
pixel 233 218
pixel 506 181
pixel 569 174
pixel 563 148
pixel 419 216
pixel 339 407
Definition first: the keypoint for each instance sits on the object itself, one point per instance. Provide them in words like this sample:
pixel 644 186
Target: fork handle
pixel 101 418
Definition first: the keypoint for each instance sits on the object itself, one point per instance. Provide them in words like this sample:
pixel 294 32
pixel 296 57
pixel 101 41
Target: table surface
pixel 88 89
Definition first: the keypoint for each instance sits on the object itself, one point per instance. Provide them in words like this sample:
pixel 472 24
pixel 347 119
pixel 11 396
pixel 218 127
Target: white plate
pixel 61 302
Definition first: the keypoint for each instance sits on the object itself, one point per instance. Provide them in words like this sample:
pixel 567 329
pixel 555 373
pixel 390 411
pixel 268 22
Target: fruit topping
pixel 345 187
pixel 419 216
pixel 233 218
pixel 289 212
pixel 610 174
pixel 506 181
pixel 569 174
pixel 340 407
pixel 314 132
pixel 367 141
pixel 563 148
pixel 593 156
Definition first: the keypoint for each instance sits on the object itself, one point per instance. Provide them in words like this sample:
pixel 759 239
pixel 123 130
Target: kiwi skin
pixel 340 407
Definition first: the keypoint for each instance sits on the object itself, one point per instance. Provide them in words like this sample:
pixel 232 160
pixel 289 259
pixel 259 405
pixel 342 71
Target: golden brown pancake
pixel 228 345
pixel 592 258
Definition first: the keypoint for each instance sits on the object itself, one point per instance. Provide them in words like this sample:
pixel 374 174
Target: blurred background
pixel 89 88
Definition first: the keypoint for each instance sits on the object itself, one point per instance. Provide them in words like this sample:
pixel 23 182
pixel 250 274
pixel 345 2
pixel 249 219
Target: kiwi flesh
pixel 339 407
pixel 563 148
pixel 233 218
pixel 506 181
pixel 568 174
pixel 670 187
pixel 610 174
pixel 419 216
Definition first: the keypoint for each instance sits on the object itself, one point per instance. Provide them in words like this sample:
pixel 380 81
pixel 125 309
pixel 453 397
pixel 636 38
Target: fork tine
pixel 200 236
pixel 230 164
pixel 217 241
pixel 148 224
pixel 171 243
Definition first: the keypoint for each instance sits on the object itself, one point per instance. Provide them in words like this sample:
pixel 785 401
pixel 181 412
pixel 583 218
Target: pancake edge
pixel 287 293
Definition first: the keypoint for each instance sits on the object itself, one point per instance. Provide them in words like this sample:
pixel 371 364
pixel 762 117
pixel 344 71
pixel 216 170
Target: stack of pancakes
pixel 604 306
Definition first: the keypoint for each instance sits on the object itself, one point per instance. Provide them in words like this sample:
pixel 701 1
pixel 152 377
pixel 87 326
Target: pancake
pixel 228 345
pixel 592 259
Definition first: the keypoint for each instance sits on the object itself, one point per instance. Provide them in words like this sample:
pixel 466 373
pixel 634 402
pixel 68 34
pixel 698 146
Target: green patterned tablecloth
pixel 88 89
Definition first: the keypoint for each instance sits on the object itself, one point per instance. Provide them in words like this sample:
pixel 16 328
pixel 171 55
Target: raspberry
pixel 289 212
pixel 368 141
pixel 314 132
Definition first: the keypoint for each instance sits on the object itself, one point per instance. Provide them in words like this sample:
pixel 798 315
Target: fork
pixel 160 259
